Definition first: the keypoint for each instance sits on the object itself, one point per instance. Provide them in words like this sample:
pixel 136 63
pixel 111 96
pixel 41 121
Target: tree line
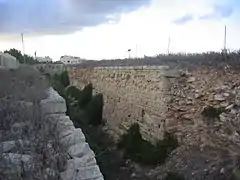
pixel 20 57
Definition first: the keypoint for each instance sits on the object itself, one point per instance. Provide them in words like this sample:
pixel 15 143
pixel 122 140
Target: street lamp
pixel 129 53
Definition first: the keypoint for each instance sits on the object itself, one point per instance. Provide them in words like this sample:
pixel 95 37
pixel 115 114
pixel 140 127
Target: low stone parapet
pixel 81 164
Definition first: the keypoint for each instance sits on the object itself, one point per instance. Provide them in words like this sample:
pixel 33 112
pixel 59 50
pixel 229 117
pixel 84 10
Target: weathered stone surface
pixel 15 160
pixel 82 173
pixel 191 79
pixel 163 103
pixel 130 95
pixel 219 97
pixel 8 61
pixel 83 162
pixel 75 137
pixel 54 103
pixel 8 146
pixel 78 150
pixel 160 102
pixel 87 159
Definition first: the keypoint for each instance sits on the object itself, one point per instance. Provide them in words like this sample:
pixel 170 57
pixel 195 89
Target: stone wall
pixel 49 68
pixel 7 61
pixel 160 100
pixel 81 163
pixel 131 94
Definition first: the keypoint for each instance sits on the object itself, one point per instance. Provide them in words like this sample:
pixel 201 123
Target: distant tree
pixel 29 59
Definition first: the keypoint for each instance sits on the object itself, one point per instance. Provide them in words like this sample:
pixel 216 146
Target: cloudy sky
pixel 97 29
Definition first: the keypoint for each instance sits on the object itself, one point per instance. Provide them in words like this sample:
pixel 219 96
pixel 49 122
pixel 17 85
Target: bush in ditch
pixel 73 92
pixel 62 78
pixel 142 151
pixel 212 112
pixel 174 176
pixel 83 96
pixel 94 110
pixel 166 146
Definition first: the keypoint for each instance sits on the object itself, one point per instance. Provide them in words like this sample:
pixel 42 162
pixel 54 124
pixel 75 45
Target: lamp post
pixel 129 53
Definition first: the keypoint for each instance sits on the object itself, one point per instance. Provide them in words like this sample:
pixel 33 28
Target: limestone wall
pixel 7 61
pixel 49 68
pixel 131 94
pixel 81 163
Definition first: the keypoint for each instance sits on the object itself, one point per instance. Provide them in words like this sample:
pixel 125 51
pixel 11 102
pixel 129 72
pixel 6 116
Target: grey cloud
pixel 60 16
pixel 218 12
pixel 184 19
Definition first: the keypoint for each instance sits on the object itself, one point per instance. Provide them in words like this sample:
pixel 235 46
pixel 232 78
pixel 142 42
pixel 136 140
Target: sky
pixel 106 29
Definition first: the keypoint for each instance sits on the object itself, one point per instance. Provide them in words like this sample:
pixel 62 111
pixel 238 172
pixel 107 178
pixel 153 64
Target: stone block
pixel 10 160
pixel 83 173
pixel 75 137
pixel 86 160
pixel 62 122
pixel 79 150
pixel 54 104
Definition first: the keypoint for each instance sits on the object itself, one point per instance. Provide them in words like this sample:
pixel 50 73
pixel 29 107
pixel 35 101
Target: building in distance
pixel 45 59
pixel 71 60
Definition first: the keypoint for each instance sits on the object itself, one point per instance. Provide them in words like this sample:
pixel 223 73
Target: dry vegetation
pixel 29 144
pixel 209 59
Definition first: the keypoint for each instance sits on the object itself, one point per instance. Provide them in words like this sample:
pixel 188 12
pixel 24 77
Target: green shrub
pixel 142 151
pixel 57 85
pixel 64 79
pixel 212 112
pixel 86 96
pixel 83 96
pixel 174 176
pixel 73 92
pixel 94 110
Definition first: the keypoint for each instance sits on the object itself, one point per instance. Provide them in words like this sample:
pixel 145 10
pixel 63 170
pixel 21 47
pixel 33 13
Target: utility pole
pixel 23 47
pixel 168 49
pixel 225 39
pixel 224 51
